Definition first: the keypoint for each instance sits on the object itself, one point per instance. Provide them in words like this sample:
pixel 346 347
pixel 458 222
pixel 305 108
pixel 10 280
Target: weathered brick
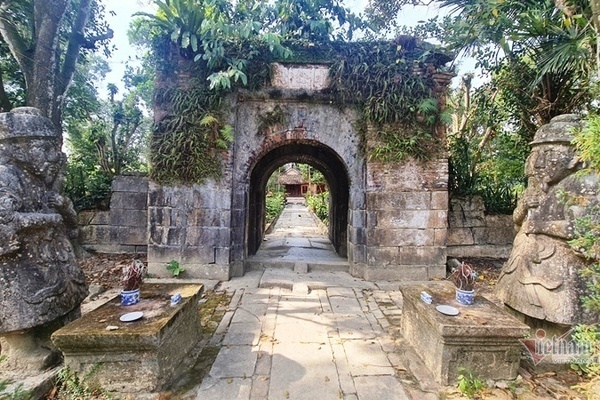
pixel 134 184
pixel 439 200
pixel 396 273
pixel 401 237
pixel 132 236
pixel 429 255
pixel 101 218
pixel 460 236
pixel 412 219
pixel 198 255
pixel 441 237
pixel 381 255
pixel 129 201
pixel 399 201
pixel 128 217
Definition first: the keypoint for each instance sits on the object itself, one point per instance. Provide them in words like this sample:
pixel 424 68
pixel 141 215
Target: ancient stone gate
pixel 389 220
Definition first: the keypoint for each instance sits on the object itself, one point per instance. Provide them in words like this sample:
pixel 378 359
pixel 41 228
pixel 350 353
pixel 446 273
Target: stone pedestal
pixel 483 338
pixel 141 356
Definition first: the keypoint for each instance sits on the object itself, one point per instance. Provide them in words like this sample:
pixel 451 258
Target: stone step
pixel 313 265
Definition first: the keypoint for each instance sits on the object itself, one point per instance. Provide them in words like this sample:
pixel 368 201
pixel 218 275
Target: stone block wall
pixel 190 224
pixel 407 213
pixel 472 233
pixel 122 229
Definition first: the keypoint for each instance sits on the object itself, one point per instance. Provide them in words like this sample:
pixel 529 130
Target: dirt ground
pixel 105 270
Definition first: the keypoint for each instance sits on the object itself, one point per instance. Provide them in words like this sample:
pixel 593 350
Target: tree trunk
pixel 595 6
pixel 42 90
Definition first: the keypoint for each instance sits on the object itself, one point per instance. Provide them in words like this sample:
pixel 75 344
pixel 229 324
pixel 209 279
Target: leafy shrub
pixel 87 186
pixel 275 201
pixel 319 204
pixel 497 177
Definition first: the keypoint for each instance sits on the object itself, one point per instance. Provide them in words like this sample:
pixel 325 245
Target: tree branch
pixel 16 44
pixel 90 43
pixel 75 41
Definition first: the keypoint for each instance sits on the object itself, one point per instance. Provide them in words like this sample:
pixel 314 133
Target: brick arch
pixel 316 155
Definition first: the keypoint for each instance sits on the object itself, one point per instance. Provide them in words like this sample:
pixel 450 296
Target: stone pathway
pixel 311 334
pixel 330 344
pixel 297 238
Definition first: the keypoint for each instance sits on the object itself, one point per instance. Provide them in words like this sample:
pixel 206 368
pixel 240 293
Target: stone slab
pixel 379 388
pixel 219 389
pixel 303 371
pixel 367 358
pixel 234 362
pixel 482 338
pixel 139 356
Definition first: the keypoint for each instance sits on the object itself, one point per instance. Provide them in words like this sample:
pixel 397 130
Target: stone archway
pixel 317 155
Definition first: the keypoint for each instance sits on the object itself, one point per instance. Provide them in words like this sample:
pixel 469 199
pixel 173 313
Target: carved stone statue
pixel 40 281
pixel 541 277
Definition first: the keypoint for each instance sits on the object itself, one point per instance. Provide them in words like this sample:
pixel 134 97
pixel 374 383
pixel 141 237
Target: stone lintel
pixel 300 76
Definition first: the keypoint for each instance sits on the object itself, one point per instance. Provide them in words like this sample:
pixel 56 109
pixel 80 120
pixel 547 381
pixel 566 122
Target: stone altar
pixel 141 356
pixel 483 338
pixel 541 278
pixel 41 285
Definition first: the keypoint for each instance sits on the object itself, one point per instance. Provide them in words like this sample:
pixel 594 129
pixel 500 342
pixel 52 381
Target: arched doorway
pixel 316 155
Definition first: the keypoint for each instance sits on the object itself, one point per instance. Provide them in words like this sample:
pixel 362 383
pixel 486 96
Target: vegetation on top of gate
pixel 232 45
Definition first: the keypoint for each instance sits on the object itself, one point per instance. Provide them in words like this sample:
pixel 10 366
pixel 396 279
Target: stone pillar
pixel 406 227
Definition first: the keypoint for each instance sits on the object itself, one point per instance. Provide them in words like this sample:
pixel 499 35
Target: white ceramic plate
pixel 132 316
pixel 447 310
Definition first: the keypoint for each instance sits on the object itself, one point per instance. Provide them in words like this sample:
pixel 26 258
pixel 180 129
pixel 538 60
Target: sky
pixel 124 9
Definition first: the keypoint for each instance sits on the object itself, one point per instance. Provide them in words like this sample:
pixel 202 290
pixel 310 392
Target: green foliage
pixel 587 242
pixel 274 204
pixel 469 384
pixel 496 179
pixel 311 175
pixel 16 394
pixel 72 386
pixel 380 77
pixel 319 204
pixel 174 268
pixel 87 186
pixel 187 144
pixel 588 335
pixel 233 44
pixel 542 54
pixel 587 143
pixel 104 138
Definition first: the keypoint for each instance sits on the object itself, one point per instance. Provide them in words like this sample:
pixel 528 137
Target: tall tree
pixel 46 39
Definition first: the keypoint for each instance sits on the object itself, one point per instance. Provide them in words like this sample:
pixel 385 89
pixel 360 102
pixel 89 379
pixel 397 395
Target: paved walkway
pixel 297 237
pixel 316 335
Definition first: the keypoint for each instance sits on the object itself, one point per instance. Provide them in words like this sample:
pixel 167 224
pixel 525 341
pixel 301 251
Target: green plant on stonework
pixel 319 204
pixel 270 118
pixel 233 45
pixel 187 144
pixel 274 204
pixel 174 268
pixel 380 78
pixel 71 385
pixel 469 384
pixel 17 393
